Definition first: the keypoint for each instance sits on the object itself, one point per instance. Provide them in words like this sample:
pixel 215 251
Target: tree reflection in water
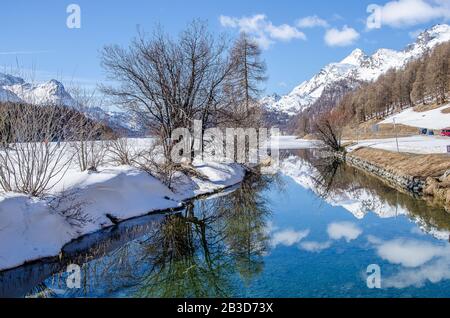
pixel 203 251
pixel 215 247
pixel 333 179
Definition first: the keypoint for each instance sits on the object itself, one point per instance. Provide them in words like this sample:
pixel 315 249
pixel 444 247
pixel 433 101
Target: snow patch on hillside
pixel 414 144
pixel 432 119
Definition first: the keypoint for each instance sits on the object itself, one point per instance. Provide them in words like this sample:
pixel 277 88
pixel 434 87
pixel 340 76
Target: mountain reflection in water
pixel 311 230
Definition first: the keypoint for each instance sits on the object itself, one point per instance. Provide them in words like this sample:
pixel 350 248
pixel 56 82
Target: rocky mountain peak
pixel 357 67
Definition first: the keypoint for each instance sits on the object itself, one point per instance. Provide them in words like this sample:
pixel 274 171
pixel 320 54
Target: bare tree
pixel 169 83
pixel 329 128
pixel 249 70
pixel 155 164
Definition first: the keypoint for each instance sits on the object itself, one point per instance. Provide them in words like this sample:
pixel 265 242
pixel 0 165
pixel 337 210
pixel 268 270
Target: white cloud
pixel 315 247
pixel 311 22
pixel 434 272
pixel 263 31
pixel 410 253
pixel 424 261
pixel 288 237
pixel 346 36
pixel 404 13
pixel 346 230
pixel 284 32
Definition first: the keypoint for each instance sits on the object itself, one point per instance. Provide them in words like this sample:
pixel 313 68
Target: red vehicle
pixel 445 132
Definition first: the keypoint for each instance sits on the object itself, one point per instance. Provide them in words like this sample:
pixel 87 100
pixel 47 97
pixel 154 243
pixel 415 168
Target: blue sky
pixel 36 38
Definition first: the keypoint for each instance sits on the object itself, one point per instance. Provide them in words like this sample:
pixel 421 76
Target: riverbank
pixel 426 175
pixel 35 228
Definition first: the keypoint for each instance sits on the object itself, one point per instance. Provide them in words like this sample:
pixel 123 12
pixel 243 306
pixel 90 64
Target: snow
pixel 7 80
pixel 50 92
pixel 16 90
pixel 8 96
pixel 32 228
pixel 356 66
pixel 356 200
pixel 414 144
pixel 432 119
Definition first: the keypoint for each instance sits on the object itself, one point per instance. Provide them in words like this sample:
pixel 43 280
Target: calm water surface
pixel 309 231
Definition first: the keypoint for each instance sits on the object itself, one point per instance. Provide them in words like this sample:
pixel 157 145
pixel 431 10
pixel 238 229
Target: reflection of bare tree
pixel 193 253
pixel 41 291
pixel 185 259
pixel 325 180
pixel 245 213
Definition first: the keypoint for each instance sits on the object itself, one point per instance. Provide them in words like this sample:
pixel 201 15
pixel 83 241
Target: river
pixel 317 228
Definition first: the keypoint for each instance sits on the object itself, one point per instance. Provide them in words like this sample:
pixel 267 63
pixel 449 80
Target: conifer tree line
pixel 422 81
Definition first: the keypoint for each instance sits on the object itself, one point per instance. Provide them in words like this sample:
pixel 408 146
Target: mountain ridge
pixel 357 66
pixel 15 89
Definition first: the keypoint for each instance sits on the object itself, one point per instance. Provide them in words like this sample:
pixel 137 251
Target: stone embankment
pixel 402 172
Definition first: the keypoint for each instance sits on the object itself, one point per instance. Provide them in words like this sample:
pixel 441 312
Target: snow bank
pixel 31 229
pixel 432 119
pixel 414 144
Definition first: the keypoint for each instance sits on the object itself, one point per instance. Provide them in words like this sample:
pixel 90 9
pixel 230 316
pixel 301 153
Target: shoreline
pixel 431 186
pixel 114 195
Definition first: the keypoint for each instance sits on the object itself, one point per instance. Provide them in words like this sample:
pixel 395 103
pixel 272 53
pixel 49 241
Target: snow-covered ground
pixel 32 228
pixel 414 144
pixel 432 119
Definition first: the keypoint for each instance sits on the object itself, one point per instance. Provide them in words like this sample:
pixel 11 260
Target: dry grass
pixel 425 108
pixel 365 131
pixel 446 110
pixel 414 165
pixel 309 137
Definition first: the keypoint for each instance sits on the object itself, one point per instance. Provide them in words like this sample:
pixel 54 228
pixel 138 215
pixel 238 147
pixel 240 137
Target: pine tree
pixel 250 70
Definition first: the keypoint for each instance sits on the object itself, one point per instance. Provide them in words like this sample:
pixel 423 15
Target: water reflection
pixel 310 230
pixel 192 253
pixel 342 185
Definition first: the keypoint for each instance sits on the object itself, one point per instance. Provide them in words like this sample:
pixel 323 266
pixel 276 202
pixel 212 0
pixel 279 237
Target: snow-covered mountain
pixel 358 66
pixel 17 90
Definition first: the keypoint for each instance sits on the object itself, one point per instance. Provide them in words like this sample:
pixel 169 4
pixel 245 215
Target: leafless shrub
pixel 90 154
pixel 152 161
pixel 33 156
pixel 121 151
pixel 89 147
